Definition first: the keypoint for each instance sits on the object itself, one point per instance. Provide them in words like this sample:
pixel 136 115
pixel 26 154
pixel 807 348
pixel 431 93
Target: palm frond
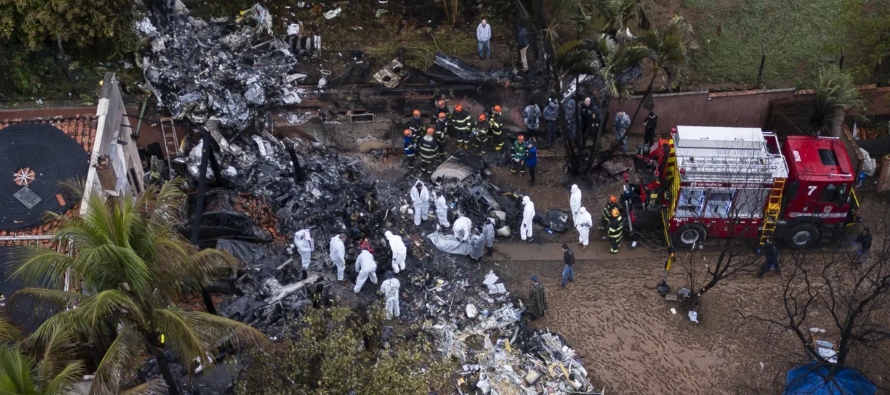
pixel 15 372
pixel 63 382
pixel 8 331
pixel 153 387
pixel 54 298
pixel 66 321
pixel 110 303
pixel 121 356
pixel 56 355
pixel 34 265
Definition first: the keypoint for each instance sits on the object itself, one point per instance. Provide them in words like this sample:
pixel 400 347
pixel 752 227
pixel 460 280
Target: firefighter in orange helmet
pixel 428 151
pixel 461 121
pixel 409 147
pixel 415 124
pixel 520 149
pixel 495 127
pixel 612 204
pixel 480 134
pixel 441 132
pixel 616 230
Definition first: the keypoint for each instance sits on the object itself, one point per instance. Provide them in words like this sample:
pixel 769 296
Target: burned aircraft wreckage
pixel 254 190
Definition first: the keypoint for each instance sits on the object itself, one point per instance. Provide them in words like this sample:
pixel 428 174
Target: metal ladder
pixel 171 142
pixel 773 208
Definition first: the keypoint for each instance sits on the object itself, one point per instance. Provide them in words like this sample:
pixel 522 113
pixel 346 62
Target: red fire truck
pixel 743 182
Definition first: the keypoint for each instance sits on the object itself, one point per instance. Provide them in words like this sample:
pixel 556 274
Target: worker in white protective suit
pixel 420 198
pixel 366 267
pixel 583 224
pixel 390 289
pixel 477 245
pixel 305 246
pixel 575 203
pixel 462 226
pixel 399 252
pixel 338 254
pixel 488 235
pixel 528 218
pixel 442 211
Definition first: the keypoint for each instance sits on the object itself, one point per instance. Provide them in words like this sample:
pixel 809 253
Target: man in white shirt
pixel 483 35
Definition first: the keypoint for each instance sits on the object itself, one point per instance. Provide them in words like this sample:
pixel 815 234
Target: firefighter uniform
pixel 480 134
pixel 441 133
pixel 461 121
pixel 616 229
pixel 415 125
pixel 428 151
pixel 519 153
pixel 410 146
pixel 439 106
pixel 495 127
pixel 607 212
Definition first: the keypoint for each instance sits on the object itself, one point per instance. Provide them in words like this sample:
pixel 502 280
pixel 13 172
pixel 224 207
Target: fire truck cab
pixel 743 182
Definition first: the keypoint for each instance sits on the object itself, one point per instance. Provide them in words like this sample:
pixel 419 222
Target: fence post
pixel 762 63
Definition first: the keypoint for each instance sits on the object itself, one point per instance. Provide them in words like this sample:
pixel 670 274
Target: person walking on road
pixel 551 117
pixel 390 290
pixel 399 251
pixel 338 254
pixel 575 202
pixel 531 161
pixel 771 253
pixel 583 225
pixel 366 268
pixel 537 299
pixel 522 43
pixel 528 218
pixel 649 126
pixel 568 273
pixel 621 123
pixel 420 199
pixel 483 36
pixel 864 241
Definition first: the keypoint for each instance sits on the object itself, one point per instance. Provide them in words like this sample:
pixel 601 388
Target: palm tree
pixel 23 375
pixel 834 95
pixel 667 53
pixel 619 13
pixel 133 266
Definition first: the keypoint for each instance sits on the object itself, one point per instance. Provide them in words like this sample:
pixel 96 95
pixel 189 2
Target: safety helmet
pixel 442 115
pixel 416 112
pixel 458 107
pixel 481 117
pixel 613 199
pixel 407 132
pixel 614 212
pixel 429 131
pixel 521 138
pixel 497 108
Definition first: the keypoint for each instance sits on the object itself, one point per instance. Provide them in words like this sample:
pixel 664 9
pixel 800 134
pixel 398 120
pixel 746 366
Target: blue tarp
pixel 814 379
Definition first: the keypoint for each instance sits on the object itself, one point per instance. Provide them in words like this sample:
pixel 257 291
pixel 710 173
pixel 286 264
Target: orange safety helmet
pixel 613 199
pixel 497 108
pixel 407 132
pixel 429 131
pixel 481 117
pixel 442 115
pixel 459 107
pixel 416 112
pixel 521 138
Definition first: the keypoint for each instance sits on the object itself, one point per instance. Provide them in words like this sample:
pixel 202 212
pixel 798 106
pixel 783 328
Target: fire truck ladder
pixel 171 142
pixel 773 208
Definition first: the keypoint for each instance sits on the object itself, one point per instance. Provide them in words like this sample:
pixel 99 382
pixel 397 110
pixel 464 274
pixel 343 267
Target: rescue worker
pixel 771 253
pixel 537 299
pixel 338 254
pixel 462 226
pixel 420 199
pixel 528 218
pixel 568 272
pixel 442 211
pixel 441 133
pixel 488 235
pixel 583 224
pixel 415 125
pixel 495 123
pixel 480 133
pixel 439 108
pixel 399 251
pixel 607 211
pixel 410 147
pixel 366 268
pixel 461 120
pixel 587 116
pixel 519 151
pixel 428 151
pixel 531 115
pixel 551 119
pixel 477 245
pixel 616 229
pixel 390 290
pixel 305 245
pixel 649 126
pixel 571 122
pixel 575 202
pixel 531 161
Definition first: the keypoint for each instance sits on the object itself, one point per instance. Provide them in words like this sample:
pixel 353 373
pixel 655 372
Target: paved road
pixel 598 249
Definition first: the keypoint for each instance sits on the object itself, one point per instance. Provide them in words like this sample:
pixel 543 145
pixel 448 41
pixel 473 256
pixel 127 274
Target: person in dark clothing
pixel 568 274
pixel 649 125
pixel 537 299
pixel 864 241
pixel 771 252
pixel 551 119
pixel 616 231
pixel 522 43
pixel 531 161
pixel 587 115
pixel 428 151
pixel 571 123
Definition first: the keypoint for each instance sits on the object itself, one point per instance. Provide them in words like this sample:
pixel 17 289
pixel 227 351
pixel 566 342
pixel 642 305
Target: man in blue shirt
pixel 531 160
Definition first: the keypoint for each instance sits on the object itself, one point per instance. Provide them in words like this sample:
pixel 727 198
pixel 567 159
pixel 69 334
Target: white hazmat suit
pixel 421 201
pixel 583 224
pixel 390 289
pixel 575 203
pixel 366 267
pixel 462 227
pixel 338 256
pixel 305 246
pixel 399 251
pixel 442 211
pixel 528 218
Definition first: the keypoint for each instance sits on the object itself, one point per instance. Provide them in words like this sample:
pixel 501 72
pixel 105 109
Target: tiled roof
pixel 81 128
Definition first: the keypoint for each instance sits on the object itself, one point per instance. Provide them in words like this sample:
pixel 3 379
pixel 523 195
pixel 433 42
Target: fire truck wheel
pixel 687 236
pixel 801 235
